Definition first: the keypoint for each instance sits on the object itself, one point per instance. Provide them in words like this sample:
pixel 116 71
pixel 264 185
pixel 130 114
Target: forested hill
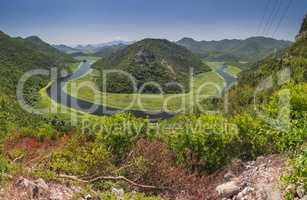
pixel 292 58
pixel 66 49
pixel 48 50
pixel 303 30
pixel 109 50
pixel 248 50
pixel 152 60
pixel 19 55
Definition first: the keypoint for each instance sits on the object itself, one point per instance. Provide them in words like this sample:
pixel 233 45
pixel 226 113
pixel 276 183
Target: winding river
pixel 229 79
pixel 57 93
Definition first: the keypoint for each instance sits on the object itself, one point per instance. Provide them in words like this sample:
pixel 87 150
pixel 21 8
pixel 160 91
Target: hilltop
pixel 303 31
pixel 148 60
pixel 66 49
pixel 44 48
pixel 248 50
pixel 19 55
pixel 109 50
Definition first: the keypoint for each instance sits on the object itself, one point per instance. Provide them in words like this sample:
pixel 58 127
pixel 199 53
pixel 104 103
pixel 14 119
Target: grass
pixel 232 70
pixel 52 106
pixel 148 102
pixel 73 67
pixel 214 65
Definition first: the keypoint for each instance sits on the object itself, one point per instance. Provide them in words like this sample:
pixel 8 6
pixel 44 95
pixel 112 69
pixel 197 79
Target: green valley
pixel 212 85
pixel 98 107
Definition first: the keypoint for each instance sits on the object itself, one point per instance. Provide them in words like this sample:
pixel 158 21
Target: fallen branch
pixel 18 158
pixel 113 178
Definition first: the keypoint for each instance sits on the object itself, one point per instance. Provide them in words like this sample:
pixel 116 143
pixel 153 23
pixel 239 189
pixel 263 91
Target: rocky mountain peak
pixel 303 31
pixel 3 35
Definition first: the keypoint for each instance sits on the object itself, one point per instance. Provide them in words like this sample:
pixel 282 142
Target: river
pixel 57 93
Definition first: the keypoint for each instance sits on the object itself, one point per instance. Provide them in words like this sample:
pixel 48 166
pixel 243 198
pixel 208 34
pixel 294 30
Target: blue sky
pixel 95 21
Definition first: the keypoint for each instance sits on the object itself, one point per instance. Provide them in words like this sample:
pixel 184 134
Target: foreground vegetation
pixel 168 159
pixel 131 147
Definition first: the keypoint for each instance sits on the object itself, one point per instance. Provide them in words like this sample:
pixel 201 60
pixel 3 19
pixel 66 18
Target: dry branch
pixel 113 178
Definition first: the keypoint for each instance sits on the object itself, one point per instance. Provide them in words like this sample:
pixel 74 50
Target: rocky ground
pixel 258 180
pixel 254 180
pixel 25 189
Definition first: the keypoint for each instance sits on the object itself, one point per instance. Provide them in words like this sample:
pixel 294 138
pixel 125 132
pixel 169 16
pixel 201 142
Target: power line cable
pixel 275 16
pixel 263 17
pixel 283 17
pixel 270 17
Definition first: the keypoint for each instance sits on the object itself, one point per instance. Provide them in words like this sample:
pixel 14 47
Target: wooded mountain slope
pixel 248 50
pixel 155 60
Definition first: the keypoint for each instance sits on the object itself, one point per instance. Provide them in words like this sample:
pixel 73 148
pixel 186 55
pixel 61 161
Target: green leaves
pixel 207 141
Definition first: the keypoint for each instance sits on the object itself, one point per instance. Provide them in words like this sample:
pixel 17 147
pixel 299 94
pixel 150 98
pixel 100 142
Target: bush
pixel 45 131
pixel 134 196
pixel 298 172
pixel 255 137
pixel 204 143
pixel 119 132
pixel 82 158
pixel 5 167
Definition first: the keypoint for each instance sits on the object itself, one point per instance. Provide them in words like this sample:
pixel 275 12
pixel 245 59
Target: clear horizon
pixel 92 22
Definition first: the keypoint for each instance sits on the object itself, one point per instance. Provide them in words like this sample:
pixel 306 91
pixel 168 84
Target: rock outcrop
pixel 258 181
pixel 303 31
pixel 24 189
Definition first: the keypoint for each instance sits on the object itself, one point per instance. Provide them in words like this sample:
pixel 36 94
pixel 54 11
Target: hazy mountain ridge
pixel 66 49
pixel 90 48
pixel 249 50
pixel 109 50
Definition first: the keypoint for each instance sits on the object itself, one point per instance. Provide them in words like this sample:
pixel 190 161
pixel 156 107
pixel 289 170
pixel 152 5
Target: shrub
pixel 5 167
pixel 205 143
pixel 134 196
pixel 119 132
pixel 298 172
pixel 45 131
pixel 255 137
pixel 82 158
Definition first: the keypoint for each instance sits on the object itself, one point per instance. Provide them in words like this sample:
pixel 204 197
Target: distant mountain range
pixel 236 51
pixel 90 48
pixel 66 49
pixel 248 50
pixel 108 50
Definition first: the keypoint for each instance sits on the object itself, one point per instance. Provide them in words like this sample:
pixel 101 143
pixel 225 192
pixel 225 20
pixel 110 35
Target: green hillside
pixel 292 59
pixel 155 60
pixel 304 26
pixel 48 50
pixel 19 55
pixel 109 50
pixel 66 49
pixel 248 50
